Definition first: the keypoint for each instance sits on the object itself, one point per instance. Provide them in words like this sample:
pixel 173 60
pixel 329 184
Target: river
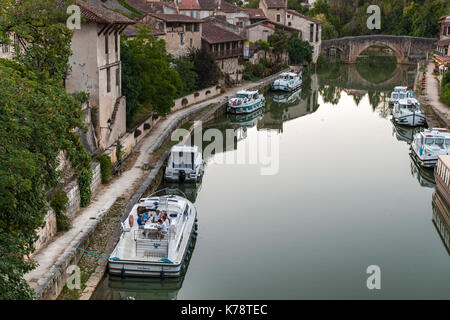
pixel 345 195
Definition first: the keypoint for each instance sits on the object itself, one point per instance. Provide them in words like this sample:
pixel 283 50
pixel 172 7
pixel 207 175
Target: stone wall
pixel 72 190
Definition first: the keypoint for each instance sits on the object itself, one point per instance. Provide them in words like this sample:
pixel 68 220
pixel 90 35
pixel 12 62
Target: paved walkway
pixel 432 92
pixel 122 186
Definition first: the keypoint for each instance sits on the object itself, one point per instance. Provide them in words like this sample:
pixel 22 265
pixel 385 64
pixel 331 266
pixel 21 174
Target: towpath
pixel 432 92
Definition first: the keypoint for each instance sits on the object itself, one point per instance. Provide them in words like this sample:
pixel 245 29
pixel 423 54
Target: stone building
pixel 95 68
pixel 256 15
pixel 6 49
pixel 180 32
pixel 309 29
pixel 443 45
pixel 226 47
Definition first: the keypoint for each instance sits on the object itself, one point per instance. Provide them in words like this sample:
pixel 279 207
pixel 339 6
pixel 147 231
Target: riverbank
pixel 49 278
pixel 438 114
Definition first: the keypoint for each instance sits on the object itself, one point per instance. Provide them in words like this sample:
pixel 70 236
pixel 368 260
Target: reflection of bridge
pixel 350 78
pixel 407 49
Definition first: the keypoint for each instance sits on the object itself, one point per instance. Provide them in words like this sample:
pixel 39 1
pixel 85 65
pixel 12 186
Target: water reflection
pixel 405 133
pixel 425 176
pixel 441 219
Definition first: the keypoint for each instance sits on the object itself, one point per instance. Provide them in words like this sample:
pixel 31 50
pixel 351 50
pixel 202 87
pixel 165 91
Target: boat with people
pixel 407 112
pixel 157 238
pixel 287 81
pixel 399 93
pixel 246 101
pixel 185 163
pixel 429 144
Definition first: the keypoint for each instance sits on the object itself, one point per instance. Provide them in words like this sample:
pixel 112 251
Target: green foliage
pixel 445 78
pixel 105 167
pixel 205 67
pixel 278 41
pixel 84 183
pixel 299 51
pixel 348 18
pixel 186 69
pixel 296 5
pixel 58 201
pixel 148 81
pixel 445 94
pixel 255 72
pixel 252 4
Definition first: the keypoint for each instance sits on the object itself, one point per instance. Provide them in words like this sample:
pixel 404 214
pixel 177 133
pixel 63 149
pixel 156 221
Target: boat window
pixel 439 141
pixel 447 142
pixel 395 96
pixel 429 141
pixel 173 215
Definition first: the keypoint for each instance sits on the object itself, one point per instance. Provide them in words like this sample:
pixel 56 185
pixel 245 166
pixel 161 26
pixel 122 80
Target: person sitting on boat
pixel 163 227
pixel 156 216
pixel 142 218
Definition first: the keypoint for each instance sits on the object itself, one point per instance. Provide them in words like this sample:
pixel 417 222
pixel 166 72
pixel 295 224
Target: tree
pixel 43 40
pixel 37 120
pixel 146 62
pixel 206 68
pixel 278 41
pixel 328 30
pixel 299 51
pixel 186 69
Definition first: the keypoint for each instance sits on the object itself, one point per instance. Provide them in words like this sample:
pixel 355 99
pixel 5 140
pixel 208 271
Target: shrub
pixel 84 183
pixel 58 203
pixel 445 79
pixel 105 167
pixel 445 94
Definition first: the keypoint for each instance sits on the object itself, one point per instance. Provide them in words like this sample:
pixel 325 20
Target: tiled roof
pixel 100 14
pixel 188 5
pixel 150 6
pixel 443 43
pixel 174 17
pixel 273 25
pixel 132 31
pixel 256 14
pixel 214 5
pixel 212 33
pixel 267 24
pixel 275 3
pixel 298 14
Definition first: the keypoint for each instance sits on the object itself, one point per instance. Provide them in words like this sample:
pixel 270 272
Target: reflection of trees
pixel 357 98
pixel 329 70
pixel 383 65
pixel 330 94
pixel 306 87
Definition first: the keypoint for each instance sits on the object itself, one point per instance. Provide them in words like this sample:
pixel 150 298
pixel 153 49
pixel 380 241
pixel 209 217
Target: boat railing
pixel 152 246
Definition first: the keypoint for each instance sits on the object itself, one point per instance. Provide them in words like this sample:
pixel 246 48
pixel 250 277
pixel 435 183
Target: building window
pixel 278 18
pixel 311 32
pixel 190 42
pixel 106 44
pixel 181 38
pixel 448 31
pixel 5 48
pixel 317 33
pixel 118 76
pixel 116 42
pixel 289 16
pixel 189 27
pixel 196 27
pixel 197 14
pixel 192 14
pixel 289 23
pixel 108 79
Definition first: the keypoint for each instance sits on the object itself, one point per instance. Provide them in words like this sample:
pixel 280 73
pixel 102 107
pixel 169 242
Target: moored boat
pixel 429 144
pixel 407 112
pixel 185 163
pixel 287 81
pixel 399 93
pixel 246 102
pixel 149 250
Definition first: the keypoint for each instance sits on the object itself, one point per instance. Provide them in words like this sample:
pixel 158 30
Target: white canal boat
pixel 185 164
pixel 398 94
pixel 146 251
pixel 429 144
pixel 288 81
pixel 407 112
pixel 246 102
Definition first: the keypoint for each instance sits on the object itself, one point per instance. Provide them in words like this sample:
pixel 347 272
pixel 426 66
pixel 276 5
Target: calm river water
pixel 346 196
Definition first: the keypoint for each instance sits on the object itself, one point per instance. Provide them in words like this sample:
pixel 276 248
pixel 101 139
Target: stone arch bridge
pixel 407 49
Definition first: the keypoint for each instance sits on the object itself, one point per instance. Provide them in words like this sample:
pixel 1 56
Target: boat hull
pixel 245 109
pixel 428 163
pixel 280 87
pixel 413 120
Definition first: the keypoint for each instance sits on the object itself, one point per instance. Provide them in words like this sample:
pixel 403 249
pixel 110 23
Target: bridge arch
pixel 407 49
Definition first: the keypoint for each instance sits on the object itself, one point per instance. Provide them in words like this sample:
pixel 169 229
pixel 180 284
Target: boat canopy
pixel 183 156
pixel 400 89
pixel 246 93
pixel 288 74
